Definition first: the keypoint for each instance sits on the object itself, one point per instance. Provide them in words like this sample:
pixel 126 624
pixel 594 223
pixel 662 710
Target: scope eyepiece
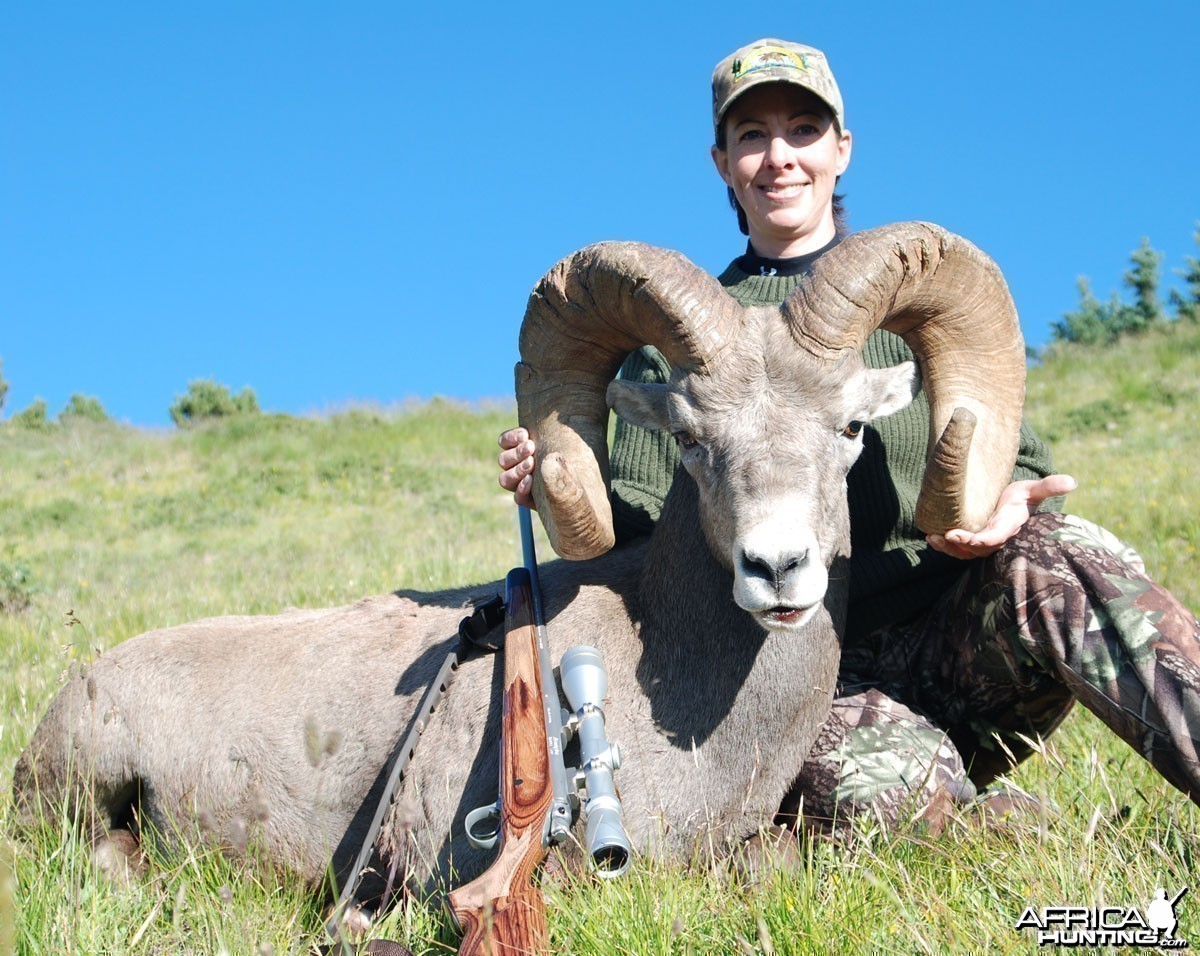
pixel 607 842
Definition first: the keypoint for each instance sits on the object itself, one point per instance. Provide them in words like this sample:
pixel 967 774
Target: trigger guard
pixel 487 839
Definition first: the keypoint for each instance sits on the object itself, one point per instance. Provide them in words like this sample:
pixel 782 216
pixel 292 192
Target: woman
pixel 949 663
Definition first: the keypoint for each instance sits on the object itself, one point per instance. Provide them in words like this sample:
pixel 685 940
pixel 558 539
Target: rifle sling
pixel 473 640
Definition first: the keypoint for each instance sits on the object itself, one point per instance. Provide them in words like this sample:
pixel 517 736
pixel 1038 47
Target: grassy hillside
pixel 106 531
pixel 1123 420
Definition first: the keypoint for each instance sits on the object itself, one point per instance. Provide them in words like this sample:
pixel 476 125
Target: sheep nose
pixel 773 568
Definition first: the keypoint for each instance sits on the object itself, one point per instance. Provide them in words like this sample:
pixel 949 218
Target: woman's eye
pixel 687 441
pixel 853 430
pixel 749 134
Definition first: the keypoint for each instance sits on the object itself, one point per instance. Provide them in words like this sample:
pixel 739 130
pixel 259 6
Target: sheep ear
pixel 891 389
pixel 639 403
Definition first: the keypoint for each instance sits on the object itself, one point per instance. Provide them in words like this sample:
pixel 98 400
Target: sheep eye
pixel 853 430
pixel 687 441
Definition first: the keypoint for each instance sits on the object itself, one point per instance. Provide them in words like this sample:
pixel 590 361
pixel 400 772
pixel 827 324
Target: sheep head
pixel 941 294
pixel 769 434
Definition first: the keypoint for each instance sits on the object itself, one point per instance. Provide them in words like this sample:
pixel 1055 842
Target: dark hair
pixel 840 220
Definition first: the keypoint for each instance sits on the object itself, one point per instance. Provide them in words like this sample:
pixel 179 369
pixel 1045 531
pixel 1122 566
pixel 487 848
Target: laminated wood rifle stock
pixel 502 912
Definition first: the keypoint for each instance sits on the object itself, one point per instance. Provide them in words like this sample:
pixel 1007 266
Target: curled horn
pixel 584 317
pixel 949 302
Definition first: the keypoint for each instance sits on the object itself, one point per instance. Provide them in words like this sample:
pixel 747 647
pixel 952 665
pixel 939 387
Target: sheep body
pixel 276 730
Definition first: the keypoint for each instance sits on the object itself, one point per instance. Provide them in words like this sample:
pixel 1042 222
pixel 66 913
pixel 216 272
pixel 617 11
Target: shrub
pixel 83 408
pixel 1091 323
pixel 1097 323
pixel 16 584
pixel 3 387
pixel 208 399
pixel 33 417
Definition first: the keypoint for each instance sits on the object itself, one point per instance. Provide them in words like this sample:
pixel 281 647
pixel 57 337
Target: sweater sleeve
pixel 894 573
pixel 1034 461
pixel 643 462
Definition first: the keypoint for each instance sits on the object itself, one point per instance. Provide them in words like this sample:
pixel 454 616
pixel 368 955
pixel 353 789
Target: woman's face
pixel 782 157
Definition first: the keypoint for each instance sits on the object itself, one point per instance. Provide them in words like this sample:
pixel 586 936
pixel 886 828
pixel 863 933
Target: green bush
pixel 83 408
pixel 1101 415
pixel 207 399
pixel 33 417
pixel 16 584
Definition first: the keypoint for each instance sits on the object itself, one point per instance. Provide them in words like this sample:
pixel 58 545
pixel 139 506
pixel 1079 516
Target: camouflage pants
pixel 928 710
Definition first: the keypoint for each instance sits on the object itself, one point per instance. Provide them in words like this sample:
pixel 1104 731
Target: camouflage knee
pixel 876 755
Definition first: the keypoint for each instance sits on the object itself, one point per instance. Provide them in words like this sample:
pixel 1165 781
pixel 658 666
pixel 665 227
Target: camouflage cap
pixel 774 61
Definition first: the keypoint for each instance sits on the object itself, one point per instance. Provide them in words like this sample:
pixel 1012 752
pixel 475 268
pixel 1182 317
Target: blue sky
pixel 336 203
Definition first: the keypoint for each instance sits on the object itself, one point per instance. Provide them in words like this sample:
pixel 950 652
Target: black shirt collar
pixel 755 265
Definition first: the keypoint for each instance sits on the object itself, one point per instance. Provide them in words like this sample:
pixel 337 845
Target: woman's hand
pixel 1017 502
pixel 516 465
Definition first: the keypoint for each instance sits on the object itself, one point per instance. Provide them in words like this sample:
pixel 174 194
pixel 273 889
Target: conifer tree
pixel 1186 304
pixel 1090 323
pixel 1096 322
pixel 1146 311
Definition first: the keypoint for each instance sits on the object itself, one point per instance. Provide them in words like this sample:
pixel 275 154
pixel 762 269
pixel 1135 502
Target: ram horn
pixel 584 317
pixel 950 304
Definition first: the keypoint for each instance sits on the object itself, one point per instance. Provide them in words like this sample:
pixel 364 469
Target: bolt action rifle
pixel 503 912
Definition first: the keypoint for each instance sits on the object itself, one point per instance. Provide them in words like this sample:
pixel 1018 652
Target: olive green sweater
pixel 894 573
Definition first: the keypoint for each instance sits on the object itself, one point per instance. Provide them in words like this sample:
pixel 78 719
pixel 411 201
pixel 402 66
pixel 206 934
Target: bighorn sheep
pixel 720 633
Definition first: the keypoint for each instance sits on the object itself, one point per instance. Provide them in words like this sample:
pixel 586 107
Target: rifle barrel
pixel 562 813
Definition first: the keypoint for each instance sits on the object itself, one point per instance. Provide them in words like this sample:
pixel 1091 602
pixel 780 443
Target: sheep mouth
pixel 787 618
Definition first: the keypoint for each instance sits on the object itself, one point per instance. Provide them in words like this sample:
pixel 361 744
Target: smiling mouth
pixel 784 192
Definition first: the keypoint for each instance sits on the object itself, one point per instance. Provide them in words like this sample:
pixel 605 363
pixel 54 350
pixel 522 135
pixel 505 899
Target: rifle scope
pixel 585 684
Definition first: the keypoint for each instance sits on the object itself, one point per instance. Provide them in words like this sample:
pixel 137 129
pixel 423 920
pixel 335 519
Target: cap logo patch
pixel 768 58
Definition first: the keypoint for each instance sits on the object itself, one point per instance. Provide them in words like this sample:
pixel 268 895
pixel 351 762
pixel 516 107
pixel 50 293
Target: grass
pixel 1123 420
pixel 107 531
